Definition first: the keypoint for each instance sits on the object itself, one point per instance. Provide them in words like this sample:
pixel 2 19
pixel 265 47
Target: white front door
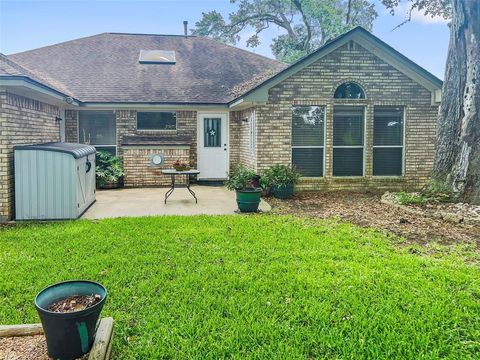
pixel 212 140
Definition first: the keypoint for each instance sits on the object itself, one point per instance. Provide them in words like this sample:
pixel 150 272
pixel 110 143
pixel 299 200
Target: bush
pixel 434 192
pixel 280 175
pixel 109 169
pixel 437 192
pixel 241 178
pixel 406 198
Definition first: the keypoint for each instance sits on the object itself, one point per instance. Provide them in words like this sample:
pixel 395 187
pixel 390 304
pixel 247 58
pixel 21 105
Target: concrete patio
pixel 212 200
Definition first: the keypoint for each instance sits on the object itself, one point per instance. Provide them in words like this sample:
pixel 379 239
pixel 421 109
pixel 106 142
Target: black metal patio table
pixel 174 173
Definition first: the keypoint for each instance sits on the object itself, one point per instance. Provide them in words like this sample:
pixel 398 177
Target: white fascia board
pixel 18 83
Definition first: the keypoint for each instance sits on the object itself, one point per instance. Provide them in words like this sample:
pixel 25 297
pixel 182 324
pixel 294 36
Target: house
pixel 355 114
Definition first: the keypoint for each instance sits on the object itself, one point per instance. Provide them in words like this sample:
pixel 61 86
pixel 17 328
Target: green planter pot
pixel 69 335
pixel 248 200
pixel 283 191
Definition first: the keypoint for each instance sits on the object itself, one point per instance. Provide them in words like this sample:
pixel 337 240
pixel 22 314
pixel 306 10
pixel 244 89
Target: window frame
pixel 308 146
pixel 364 119
pixel 99 146
pixel 157 130
pixel 404 121
pixel 349 99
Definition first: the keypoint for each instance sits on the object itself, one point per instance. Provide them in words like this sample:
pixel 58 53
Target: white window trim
pixel 351 146
pixel 168 131
pixel 404 119
pixel 311 147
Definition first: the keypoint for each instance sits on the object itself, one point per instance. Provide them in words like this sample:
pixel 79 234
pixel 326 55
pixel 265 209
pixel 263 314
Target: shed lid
pixel 76 150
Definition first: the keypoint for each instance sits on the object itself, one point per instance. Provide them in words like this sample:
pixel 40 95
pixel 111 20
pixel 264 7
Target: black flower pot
pixel 69 335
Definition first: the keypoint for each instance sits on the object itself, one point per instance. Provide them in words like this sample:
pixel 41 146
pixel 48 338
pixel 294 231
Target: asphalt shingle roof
pixel 8 67
pixel 105 68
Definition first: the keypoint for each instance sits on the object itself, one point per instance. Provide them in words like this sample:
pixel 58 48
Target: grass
pixel 258 287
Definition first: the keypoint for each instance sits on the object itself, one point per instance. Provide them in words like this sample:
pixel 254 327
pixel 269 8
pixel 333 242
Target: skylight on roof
pixel 157 57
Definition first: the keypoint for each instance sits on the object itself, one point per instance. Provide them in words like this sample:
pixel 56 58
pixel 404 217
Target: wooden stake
pixel 20 330
pixel 103 338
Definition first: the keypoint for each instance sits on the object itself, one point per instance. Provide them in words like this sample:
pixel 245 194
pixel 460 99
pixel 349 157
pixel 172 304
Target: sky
pixel 29 24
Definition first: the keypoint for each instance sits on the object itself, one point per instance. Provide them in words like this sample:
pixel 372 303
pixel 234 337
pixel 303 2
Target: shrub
pixel 406 198
pixel 280 175
pixel 434 192
pixel 109 169
pixel 241 178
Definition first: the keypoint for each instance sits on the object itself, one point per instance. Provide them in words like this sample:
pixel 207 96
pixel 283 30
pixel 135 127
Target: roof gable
pixel 364 38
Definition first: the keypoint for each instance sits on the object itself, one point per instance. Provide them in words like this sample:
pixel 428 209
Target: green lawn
pixel 257 287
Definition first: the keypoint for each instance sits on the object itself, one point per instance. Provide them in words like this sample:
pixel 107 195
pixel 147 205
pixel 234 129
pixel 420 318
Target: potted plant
pixel 281 180
pixel 69 312
pixel 180 165
pixel 109 170
pixel 245 183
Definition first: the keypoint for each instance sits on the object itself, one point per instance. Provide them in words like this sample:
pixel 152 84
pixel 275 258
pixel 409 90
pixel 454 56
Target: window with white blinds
pixel 348 140
pixel 388 134
pixel 308 139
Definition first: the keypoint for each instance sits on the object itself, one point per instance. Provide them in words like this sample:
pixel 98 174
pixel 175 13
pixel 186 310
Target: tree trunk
pixel 457 162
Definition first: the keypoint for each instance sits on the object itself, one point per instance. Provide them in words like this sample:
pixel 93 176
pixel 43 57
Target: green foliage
pixel 434 192
pixel 240 178
pixel 407 198
pixel 432 8
pixel 438 192
pixel 109 169
pixel 306 24
pixel 279 175
pixel 243 287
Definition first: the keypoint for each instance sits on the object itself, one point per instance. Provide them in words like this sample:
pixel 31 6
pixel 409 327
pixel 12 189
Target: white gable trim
pixel 371 43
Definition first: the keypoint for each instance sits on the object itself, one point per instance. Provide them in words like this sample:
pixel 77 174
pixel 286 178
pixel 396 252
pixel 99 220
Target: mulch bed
pixel 366 210
pixel 25 348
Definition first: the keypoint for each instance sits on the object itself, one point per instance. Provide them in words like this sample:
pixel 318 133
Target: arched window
pixel 349 90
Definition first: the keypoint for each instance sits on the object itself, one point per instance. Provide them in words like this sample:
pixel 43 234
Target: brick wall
pixel 240 136
pixel 23 121
pixel 383 84
pixel 126 123
pixel 186 125
pixel 71 126
pixel 138 171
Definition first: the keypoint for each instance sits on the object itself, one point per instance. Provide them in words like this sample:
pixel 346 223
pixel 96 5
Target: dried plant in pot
pixel 245 183
pixel 69 312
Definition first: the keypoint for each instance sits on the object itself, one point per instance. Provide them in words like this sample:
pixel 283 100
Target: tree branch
pixel 298 5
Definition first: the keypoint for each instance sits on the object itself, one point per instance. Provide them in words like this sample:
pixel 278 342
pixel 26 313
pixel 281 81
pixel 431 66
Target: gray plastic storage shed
pixel 53 180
